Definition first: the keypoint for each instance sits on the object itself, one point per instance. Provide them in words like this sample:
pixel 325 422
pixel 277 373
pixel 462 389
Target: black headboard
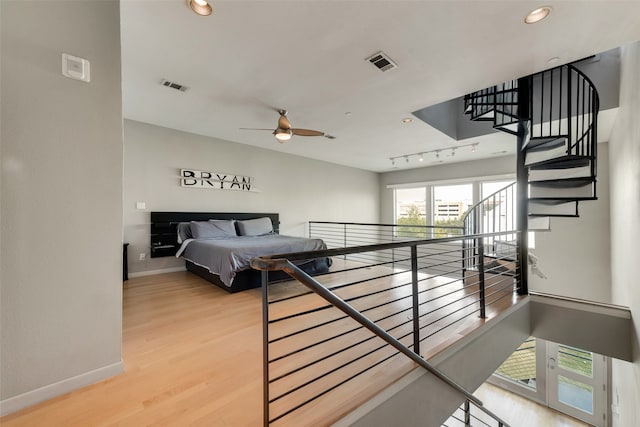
pixel 164 234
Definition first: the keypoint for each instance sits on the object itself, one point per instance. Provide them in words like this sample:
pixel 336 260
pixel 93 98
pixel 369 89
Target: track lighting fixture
pixel 421 156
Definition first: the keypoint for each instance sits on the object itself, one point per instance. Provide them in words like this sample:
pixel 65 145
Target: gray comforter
pixel 225 257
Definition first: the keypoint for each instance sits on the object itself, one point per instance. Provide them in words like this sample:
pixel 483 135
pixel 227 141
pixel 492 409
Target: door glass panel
pixel 575 394
pixel 520 367
pixel 576 360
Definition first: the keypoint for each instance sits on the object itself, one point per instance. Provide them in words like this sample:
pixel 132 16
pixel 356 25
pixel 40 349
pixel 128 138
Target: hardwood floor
pixel 521 412
pixel 193 356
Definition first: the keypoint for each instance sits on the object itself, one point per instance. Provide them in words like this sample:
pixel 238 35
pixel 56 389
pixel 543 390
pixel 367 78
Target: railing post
pixel 483 313
pixel 414 292
pixel 467 414
pixel 344 226
pixel 265 346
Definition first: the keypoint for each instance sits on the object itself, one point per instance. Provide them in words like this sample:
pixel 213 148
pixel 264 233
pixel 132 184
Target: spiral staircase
pixel 554 115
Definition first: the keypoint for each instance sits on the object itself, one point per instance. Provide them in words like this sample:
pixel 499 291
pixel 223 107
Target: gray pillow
pixel 255 227
pixel 213 229
pixel 184 231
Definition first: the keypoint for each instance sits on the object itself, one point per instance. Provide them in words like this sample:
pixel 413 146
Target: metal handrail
pixel 287 266
pixel 301 256
pixel 386 225
pixel 284 263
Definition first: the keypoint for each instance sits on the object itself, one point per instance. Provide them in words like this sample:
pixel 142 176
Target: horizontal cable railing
pixel 349 234
pixel 377 313
pixel 469 414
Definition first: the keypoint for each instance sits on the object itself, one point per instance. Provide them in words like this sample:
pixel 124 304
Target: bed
pixel 220 246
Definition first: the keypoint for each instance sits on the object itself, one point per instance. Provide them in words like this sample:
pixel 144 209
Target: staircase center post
pixel 522 178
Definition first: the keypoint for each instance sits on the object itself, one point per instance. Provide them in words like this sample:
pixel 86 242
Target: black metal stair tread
pixel 569 161
pixel 536 141
pixel 553 215
pixel 550 145
pixel 559 200
pixel 564 182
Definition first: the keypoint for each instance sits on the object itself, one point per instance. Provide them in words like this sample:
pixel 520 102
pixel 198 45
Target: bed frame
pixel 164 242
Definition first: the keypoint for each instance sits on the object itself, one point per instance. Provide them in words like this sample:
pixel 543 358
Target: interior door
pixel 576 383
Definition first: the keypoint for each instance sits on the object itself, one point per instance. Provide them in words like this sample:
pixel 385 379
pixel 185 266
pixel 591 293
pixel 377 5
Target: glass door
pixel 576 383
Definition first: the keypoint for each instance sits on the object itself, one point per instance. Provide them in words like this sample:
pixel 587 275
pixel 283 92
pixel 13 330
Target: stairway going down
pixel 554 115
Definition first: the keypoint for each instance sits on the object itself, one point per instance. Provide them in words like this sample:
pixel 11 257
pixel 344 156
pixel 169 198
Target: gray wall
pixel 479 168
pixel 61 220
pixel 574 255
pixel 299 189
pixel 625 232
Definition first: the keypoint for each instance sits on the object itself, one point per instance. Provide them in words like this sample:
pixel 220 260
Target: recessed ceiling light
pixel 537 15
pixel 407 120
pixel 421 158
pixel 553 60
pixel 201 7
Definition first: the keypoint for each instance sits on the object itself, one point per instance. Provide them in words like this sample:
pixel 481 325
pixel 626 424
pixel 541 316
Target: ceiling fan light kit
pixel 282 135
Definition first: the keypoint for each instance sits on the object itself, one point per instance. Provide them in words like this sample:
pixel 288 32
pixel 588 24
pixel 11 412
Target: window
pixel 411 209
pixel 450 203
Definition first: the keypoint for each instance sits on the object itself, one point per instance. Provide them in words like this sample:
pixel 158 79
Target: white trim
pixel 38 395
pixel 159 271
pixel 453 181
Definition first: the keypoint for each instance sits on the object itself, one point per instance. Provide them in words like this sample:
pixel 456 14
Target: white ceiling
pixel 251 57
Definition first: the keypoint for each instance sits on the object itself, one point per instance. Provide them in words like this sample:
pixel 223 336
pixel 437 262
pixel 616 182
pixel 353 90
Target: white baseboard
pixel 160 271
pixel 38 395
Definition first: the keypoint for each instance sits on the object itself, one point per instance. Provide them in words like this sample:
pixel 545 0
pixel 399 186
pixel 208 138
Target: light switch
pixel 141 205
pixel 76 68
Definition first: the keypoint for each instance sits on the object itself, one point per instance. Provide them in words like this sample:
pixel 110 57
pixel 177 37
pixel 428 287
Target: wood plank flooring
pixel 193 356
pixel 521 412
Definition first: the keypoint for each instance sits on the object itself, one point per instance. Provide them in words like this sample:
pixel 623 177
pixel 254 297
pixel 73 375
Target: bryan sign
pixel 215 180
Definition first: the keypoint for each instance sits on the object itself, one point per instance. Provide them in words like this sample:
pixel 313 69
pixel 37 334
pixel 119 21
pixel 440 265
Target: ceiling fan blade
pixel 270 130
pixel 307 132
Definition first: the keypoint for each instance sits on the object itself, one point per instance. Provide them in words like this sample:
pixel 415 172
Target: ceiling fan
pixel 284 131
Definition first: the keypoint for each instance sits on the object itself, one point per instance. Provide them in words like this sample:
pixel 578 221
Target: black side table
pixel 125 263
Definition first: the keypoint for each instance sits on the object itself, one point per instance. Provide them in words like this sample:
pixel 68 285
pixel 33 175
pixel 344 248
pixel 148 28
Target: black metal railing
pixel 346 234
pixel 350 234
pixel 471 415
pixel 495 213
pixel 564 103
pixel 367 318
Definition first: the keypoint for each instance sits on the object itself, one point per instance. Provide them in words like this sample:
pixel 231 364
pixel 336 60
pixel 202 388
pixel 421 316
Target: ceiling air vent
pixel 173 85
pixel 382 61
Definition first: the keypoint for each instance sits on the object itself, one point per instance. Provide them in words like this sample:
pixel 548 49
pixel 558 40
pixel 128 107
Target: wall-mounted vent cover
pixel 382 61
pixel 173 85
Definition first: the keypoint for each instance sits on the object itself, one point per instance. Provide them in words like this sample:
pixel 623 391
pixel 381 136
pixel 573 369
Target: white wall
pixel 574 255
pixel 61 199
pixel 625 231
pixel 297 188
